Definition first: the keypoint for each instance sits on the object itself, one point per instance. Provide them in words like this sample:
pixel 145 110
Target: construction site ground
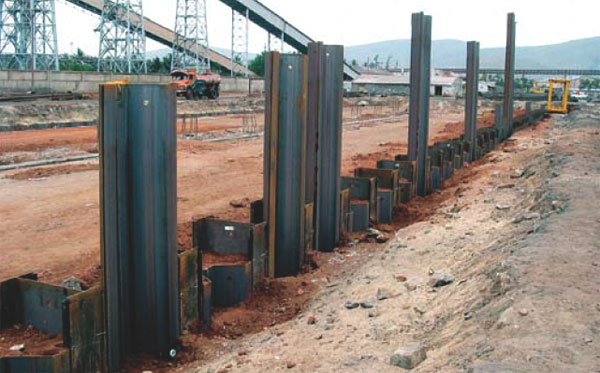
pixel 517 232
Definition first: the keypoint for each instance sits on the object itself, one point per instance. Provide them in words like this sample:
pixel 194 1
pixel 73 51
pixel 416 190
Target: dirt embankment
pixel 515 235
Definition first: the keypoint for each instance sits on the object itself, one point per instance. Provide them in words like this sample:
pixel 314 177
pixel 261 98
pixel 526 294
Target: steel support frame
pixel 324 141
pixel 509 75
pixel 28 38
pixel 420 76
pixel 471 95
pixel 286 86
pixel 138 199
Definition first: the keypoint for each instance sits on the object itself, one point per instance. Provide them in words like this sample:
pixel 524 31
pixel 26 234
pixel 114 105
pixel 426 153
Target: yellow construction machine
pixel 564 105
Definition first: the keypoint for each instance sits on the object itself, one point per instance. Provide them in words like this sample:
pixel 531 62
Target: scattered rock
pixel 72 283
pixel 290 365
pixel 351 305
pixel 441 279
pixel 531 216
pixel 400 278
pixel 311 320
pixel 300 292
pixel 409 356
pixel 419 310
pixel 20 347
pixel 502 206
pixel 588 340
pixel 467 316
pixel 383 293
pixel 410 286
pixel 523 312
pixel 366 305
pixel 518 173
pixel 241 203
pixel 506 186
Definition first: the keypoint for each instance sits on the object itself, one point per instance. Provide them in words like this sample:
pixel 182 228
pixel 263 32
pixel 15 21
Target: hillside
pixel 577 54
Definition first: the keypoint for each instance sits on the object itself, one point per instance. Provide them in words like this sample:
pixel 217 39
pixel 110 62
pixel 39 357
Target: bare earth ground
pixel 519 231
pixel 50 214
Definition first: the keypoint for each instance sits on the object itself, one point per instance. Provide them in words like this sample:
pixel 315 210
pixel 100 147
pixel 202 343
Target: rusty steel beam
pixel 138 199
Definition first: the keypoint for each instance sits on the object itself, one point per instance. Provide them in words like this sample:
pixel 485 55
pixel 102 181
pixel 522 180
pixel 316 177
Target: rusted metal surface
pixel 509 75
pixel 86 329
pixel 386 178
pixel 345 212
pixel 472 92
pixel 360 215
pixel 286 85
pixel 206 302
pixel 364 189
pixel 231 284
pixel 420 76
pixel 36 364
pixel 324 141
pixel 386 205
pixel 138 199
pixel 189 296
pixel 29 302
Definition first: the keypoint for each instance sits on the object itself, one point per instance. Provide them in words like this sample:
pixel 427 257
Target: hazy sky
pixel 353 22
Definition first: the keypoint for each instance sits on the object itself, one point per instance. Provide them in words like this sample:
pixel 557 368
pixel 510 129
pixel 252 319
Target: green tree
pixel 257 65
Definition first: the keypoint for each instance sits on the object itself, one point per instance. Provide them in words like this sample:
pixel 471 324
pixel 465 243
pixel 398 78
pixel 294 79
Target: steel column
pixel 138 199
pixel 471 95
pixel 509 74
pixel 420 75
pixel 324 140
pixel 286 85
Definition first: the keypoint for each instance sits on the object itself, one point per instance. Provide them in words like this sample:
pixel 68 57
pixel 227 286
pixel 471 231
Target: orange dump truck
pixel 194 86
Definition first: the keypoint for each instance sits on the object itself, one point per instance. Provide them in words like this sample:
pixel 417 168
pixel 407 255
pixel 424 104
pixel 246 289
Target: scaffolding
pixel 190 45
pixel 122 37
pixel 28 35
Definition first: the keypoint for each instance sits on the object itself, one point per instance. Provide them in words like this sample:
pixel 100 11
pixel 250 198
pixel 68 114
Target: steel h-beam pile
pixel 509 76
pixel 286 82
pixel 138 199
pixel 471 96
pixel 418 127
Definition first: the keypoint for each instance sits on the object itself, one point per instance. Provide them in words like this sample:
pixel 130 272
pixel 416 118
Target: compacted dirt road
pixel 515 237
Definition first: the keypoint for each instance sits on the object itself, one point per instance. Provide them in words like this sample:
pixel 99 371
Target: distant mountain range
pixel 576 54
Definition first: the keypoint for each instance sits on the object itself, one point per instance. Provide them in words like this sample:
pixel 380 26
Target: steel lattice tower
pixel 239 39
pixel 28 35
pixel 190 47
pixel 122 37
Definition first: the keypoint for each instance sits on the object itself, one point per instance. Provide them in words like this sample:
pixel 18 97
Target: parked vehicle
pixel 194 86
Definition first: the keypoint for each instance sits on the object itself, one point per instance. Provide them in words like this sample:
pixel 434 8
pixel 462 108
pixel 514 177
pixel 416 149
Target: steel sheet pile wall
pixel 324 141
pixel 420 76
pixel 286 85
pixel 138 165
